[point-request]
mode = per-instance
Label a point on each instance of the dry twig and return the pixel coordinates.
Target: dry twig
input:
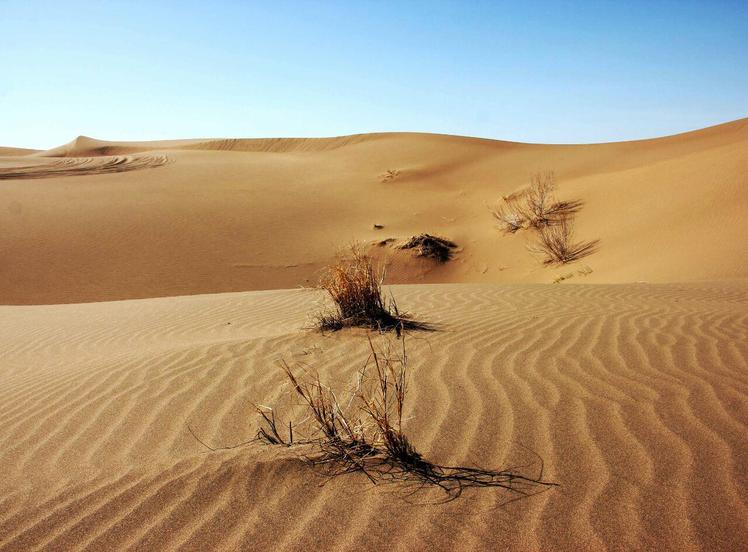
(355, 287)
(367, 435)
(556, 243)
(432, 247)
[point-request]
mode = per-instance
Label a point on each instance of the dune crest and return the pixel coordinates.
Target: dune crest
(232, 215)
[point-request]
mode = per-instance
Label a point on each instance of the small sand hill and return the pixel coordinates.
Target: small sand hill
(634, 396)
(105, 220)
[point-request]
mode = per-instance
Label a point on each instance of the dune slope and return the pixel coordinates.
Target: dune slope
(634, 396)
(95, 220)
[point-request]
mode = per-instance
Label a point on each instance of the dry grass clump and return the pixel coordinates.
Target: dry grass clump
(365, 433)
(433, 247)
(556, 243)
(355, 287)
(534, 207)
(511, 213)
(541, 203)
(389, 175)
(537, 208)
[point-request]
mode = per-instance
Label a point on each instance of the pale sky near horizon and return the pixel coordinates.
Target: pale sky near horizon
(531, 71)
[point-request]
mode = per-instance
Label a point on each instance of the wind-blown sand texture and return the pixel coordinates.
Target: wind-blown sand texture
(635, 396)
(629, 379)
(73, 166)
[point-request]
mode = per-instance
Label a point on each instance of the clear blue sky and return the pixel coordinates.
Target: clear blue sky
(565, 71)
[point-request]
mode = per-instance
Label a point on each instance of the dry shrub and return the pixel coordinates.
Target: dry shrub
(556, 243)
(355, 287)
(535, 206)
(540, 198)
(365, 433)
(432, 247)
(511, 213)
(389, 175)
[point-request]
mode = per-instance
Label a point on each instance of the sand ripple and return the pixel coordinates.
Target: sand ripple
(78, 166)
(635, 396)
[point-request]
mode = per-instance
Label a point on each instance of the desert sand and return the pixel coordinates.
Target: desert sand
(234, 215)
(150, 286)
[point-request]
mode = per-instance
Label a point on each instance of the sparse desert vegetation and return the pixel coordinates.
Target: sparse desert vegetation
(539, 199)
(511, 213)
(556, 243)
(354, 285)
(389, 175)
(541, 203)
(534, 207)
(537, 208)
(432, 247)
(364, 432)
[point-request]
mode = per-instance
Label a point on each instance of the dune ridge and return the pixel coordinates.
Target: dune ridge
(635, 396)
(8, 152)
(85, 146)
(237, 215)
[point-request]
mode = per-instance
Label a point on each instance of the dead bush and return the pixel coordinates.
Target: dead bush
(355, 287)
(556, 243)
(511, 213)
(432, 247)
(365, 433)
(540, 199)
(535, 207)
(389, 175)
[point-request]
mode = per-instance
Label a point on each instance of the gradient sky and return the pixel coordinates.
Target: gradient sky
(565, 71)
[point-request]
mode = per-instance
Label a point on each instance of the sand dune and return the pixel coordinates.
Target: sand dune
(628, 381)
(5, 152)
(635, 396)
(234, 215)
